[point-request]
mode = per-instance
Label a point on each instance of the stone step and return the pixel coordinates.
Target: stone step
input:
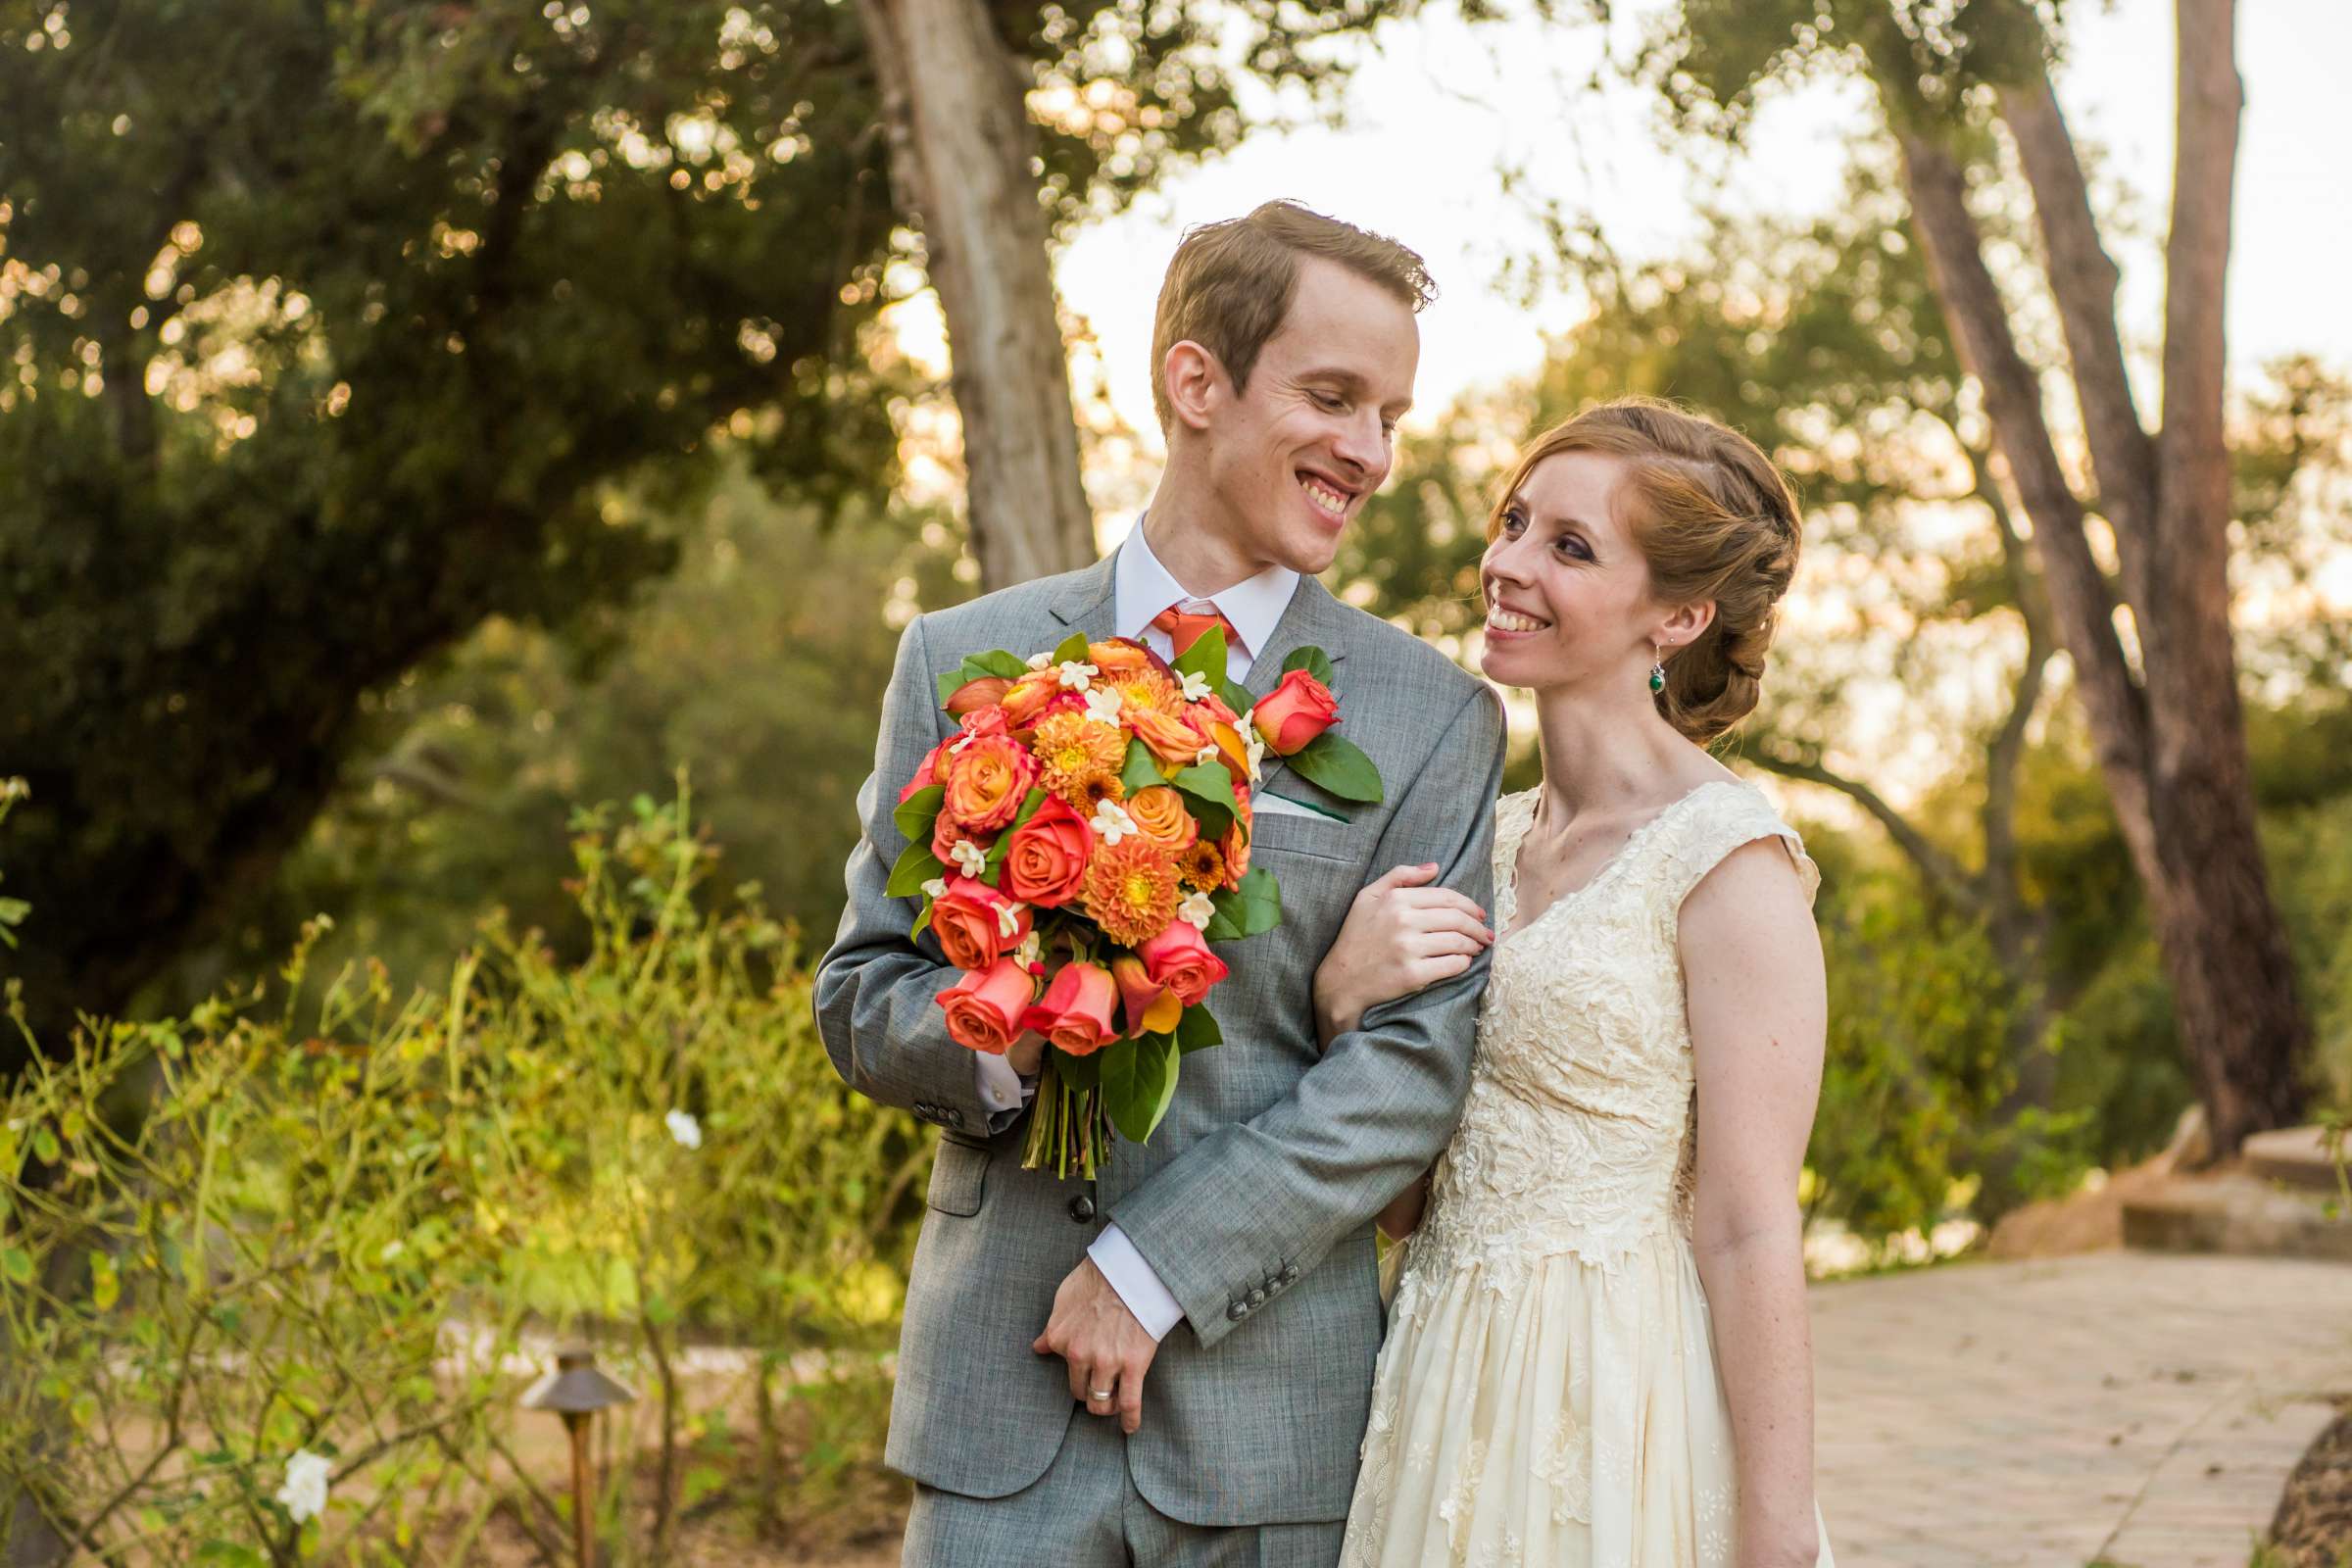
(2237, 1215)
(2296, 1156)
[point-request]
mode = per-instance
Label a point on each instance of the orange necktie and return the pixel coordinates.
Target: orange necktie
(1184, 629)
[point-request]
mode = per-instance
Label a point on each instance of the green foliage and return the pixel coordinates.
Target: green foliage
(1916, 1061)
(229, 1238)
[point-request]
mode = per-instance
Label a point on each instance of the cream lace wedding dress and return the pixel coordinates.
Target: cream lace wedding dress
(1548, 1393)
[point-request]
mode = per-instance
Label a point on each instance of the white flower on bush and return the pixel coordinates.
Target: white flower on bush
(685, 1129)
(391, 1249)
(303, 1495)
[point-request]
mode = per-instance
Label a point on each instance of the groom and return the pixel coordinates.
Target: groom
(1173, 1364)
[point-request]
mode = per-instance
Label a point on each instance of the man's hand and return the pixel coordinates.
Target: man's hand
(1107, 1349)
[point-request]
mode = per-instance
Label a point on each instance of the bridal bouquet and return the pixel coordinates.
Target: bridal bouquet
(1080, 843)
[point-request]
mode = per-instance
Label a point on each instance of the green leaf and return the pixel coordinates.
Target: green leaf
(1072, 649)
(916, 814)
(1311, 660)
(1249, 909)
(105, 1285)
(1207, 789)
(996, 662)
(922, 923)
(227, 1555)
(1233, 695)
(1142, 771)
(44, 1143)
(1206, 656)
(1079, 1073)
(1139, 1084)
(1338, 765)
(915, 868)
(1198, 1030)
(16, 1265)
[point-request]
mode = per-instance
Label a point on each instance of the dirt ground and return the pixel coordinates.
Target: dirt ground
(2314, 1525)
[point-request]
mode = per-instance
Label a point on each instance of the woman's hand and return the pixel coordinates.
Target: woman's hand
(1399, 936)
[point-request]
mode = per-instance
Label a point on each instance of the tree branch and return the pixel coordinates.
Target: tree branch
(1943, 872)
(2084, 277)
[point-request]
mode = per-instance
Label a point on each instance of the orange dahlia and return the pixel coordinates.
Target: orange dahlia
(1200, 867)
(1073, 751)
(1147, 688)
(1131, 889)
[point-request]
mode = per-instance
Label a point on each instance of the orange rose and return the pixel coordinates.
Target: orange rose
(976, 924)
(1167, 737)
(928, 774)
(1119, 655)
(1045, 865)
(1294, 713)
(985, 1008)
(1160, 812)
(1027, 697)
(988, 780)
(1074, 1014)
(1179, 959)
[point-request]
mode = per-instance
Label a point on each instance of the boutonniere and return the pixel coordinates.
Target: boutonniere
(1294, 720)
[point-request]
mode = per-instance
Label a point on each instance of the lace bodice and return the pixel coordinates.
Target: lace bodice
(1576, 1137)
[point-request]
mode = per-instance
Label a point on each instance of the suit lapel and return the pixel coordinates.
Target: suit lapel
(1312, 619)
(1087, 604)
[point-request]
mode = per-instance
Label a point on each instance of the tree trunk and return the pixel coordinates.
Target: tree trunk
(960, 159)
(2172, 753)
(2234, 980)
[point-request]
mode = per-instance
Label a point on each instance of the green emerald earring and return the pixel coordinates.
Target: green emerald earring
(1658, 670)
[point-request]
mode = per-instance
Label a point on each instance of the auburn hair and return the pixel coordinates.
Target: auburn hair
(1715, 519)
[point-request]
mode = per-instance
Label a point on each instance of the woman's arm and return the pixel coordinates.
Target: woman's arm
(1752, 968)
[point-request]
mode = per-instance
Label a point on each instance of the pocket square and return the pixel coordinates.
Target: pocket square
(1268, 800)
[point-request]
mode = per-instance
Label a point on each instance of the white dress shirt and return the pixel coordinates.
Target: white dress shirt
(1141, 588)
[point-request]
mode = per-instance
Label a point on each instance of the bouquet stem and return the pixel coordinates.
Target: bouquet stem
(1069, 1128)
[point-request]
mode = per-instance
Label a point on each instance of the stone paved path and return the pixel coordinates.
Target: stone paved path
(2121, 1407)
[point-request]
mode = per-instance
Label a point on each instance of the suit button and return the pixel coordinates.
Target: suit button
(1290, 1273)
(1234, 1310)
(1082, 1209)
(1258, 1297)
(955, 1116)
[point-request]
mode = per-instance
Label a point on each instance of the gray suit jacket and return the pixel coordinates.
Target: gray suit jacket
(1253, 1200)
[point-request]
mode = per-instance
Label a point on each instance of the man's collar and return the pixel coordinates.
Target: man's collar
(1144, 587)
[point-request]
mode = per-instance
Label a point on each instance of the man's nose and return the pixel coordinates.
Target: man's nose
(1365, 443)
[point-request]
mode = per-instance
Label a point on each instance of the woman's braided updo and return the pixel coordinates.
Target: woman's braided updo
(1716, 521)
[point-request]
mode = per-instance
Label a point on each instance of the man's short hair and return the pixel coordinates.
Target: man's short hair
(1230, 285)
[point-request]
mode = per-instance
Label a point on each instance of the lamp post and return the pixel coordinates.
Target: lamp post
(576, 1390)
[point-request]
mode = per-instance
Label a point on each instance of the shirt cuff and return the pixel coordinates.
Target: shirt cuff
(1000, 1088)
(1153, 1304)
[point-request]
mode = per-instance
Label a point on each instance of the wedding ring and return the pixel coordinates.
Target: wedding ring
(1098, 1394)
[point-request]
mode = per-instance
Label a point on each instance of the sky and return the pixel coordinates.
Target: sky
(1438, 107)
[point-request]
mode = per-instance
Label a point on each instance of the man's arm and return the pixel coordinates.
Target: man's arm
(1241, 1215)
(877, 991)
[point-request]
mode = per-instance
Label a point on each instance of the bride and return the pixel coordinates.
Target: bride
(1597, 1351)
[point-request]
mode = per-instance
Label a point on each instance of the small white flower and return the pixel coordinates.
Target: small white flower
(1112, 821)
(1040, 660)
(685, 1129)
(1102, 707)
(1077, 676)
(1196, 911)
(1008, 919)
(1256, 742)
(969, 858)
(303, 1495)
(936, 888)
(1196, 686)
(1031, 950)
(957, 746)
(391, 1249)
(1207, 754)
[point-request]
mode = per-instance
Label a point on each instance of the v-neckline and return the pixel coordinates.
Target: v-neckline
(1642, 830)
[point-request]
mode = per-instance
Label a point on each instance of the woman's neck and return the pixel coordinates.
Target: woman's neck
(1606, 753)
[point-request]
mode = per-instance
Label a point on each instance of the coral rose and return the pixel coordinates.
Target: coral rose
(928, 774)
(988, 780)
(1118, 656)
(1294, 713)
(1074, 1014)
(976, 924)
(1235, 845)
(985, 1008)
(1045, 863)
(1025, 699)
(1160, 812)
(1179, 959)
(1151, 1007)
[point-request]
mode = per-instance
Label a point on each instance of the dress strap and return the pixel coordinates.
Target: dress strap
(1717, 819)
(1513, 815)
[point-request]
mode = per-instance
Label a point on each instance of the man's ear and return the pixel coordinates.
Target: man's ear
(1684, 624)
(1195, 381)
